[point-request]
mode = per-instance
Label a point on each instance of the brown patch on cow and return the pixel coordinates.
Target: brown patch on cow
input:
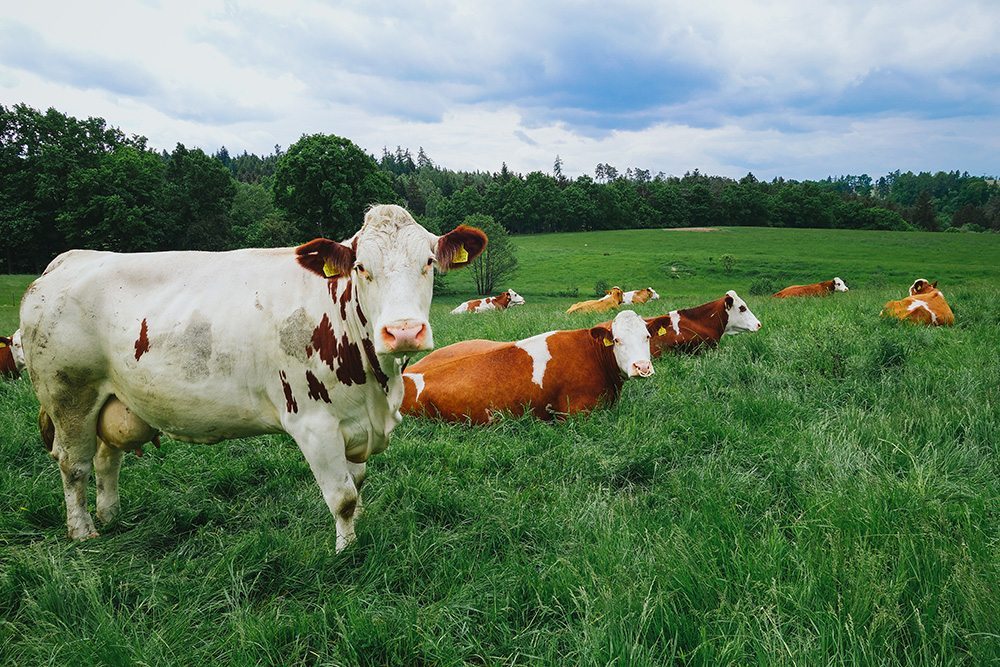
(331, 286)
(824, 288)
(142, 344)
(317, 390)
(344, 298)
(8, 368)
(473, 304)
(324, 342)
(380, 375)
(47, 429)
(350, 369)
(347, 508)
(361, 314)
(290, 403)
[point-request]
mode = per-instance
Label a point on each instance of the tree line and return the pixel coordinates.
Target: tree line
(72, 183)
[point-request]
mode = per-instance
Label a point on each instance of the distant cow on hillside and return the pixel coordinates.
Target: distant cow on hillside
(11, 356)
(640, 295)
(824, 288)
(613, 299)
(499, 302)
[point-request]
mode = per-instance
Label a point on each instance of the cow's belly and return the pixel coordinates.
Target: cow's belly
(198, 413)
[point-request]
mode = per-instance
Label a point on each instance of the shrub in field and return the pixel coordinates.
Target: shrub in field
(498, 262)
(601, 288)
(762, 286)
(728, 263)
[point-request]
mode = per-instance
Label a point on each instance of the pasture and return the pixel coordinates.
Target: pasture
(824, 491)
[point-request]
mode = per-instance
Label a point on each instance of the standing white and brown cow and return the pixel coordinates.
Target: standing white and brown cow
(169, 335)
(499, 302)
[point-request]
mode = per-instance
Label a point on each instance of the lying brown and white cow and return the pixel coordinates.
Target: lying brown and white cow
(640, 295)
(613, 299)
(552, 374)
(816, 289)
(925, 305)
(166, 334)
(499, 302)
(692, 329)
(8, 369)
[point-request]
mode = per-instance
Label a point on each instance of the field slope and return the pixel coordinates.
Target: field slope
(823, 491)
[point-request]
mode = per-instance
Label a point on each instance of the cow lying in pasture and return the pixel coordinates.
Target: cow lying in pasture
(499, 302)
(610, 301)
(551, 374)
(824, 288)
(640, 295)
(11, 356)
(925, 305)
(166, 334)
(693, 329)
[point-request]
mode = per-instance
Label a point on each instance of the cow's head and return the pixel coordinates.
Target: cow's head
(391, 261)
(921, 286)
(515, 298)
(839, 285)
(629, 336)
(740, 317)
(653, 296)
(616, 294)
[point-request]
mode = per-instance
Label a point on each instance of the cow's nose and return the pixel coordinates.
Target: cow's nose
(759, 325)
(405, 336)
(642, 369)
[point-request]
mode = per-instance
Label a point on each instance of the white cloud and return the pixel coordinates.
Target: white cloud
(780, 88)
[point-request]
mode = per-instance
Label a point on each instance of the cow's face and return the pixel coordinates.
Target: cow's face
(515, 298)
(921, 286)
(839, 285)
(652, 294)
(616, 294)
(629, 337)
(391, 262)
(740, 317)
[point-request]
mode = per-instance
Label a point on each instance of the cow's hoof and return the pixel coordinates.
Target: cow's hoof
(107, 516)
(79, 536)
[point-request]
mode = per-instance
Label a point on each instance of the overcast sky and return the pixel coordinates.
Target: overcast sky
(795, 89)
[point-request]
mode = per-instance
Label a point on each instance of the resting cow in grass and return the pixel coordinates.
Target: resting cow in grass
(824, 288)
(167, 334)
(693, 329)
(552, 374)
(11, 356)
(611, 301)
(640, 295)
(499, 302)
(925, 305)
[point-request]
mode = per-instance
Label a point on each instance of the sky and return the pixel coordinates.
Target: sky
(799, 89)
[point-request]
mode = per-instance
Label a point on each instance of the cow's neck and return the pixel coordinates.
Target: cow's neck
(604, 358)
(359, 328)
(711, 315)
(827, 285)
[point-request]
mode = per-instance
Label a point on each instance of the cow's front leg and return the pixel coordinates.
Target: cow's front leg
(107, 464)
(322, 444)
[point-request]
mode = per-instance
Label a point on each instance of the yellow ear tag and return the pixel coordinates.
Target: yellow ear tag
(607, 343)
(3, 344)
(461, 255)
(329, 270)
(662, 331)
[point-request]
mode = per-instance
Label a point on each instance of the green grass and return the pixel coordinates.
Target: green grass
(823, 491)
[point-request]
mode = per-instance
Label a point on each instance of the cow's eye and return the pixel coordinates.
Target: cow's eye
(743, 309)
(618, 341)
(360, 268)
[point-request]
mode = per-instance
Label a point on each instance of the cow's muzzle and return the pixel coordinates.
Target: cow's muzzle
(406, 336)
(642, 369)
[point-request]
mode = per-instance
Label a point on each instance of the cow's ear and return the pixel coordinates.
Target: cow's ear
(657, 326)
(326, 258)
(4, 341)
(459, 247)
(602, 334)
(729, 301)
(934, 284)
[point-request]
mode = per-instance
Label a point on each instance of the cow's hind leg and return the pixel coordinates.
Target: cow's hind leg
(319, 438)
(76, 442)
(107, 464)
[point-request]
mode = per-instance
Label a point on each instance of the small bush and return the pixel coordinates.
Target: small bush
(601, 288)
(728, 263)
(762, 286)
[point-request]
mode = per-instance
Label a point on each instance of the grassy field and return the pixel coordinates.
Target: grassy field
(826, 491)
